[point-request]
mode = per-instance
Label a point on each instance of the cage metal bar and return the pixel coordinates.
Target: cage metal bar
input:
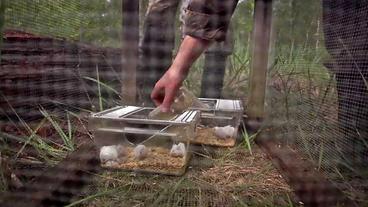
(260, 51)
(130, 34)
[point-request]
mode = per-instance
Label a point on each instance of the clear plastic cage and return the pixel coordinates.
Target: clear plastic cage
(220, 121)
(129, 140)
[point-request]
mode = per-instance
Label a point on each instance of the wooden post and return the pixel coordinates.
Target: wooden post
(2, 23)
(260, 52)
(130, 35)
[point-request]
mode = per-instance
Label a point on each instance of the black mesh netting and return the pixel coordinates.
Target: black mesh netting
(62, 60)
(317, 88)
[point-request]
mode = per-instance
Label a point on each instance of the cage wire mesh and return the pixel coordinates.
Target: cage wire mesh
(317, 92)
(60, 59)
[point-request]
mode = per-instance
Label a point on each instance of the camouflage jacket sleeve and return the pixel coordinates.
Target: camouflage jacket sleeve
(209, 19)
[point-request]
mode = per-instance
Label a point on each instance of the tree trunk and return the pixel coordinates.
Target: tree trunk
(260, 54)
(130, 35)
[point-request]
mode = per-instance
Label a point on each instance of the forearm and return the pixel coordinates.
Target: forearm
(205, 21)
(165, 89)
(190, 49)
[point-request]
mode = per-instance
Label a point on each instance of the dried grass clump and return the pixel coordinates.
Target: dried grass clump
(246, 174)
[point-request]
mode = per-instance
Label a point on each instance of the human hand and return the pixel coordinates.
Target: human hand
(165, 90)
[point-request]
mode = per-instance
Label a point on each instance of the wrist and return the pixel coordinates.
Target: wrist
(178, 72)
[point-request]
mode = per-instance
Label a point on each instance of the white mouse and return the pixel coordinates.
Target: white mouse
(140, 152)
(178, 150)
(121, 150)
(224, 132)
(112, 153)
(109, 153)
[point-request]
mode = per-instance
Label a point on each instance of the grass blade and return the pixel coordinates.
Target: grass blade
(70, 133)
(68, 143)
(103, 84)
(246, 138)
(99, 89)
(320, 157)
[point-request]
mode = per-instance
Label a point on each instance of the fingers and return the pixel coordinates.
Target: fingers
(157, 95)
(164, 92)
(170, 94)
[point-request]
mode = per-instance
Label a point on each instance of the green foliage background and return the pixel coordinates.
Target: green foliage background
(99, 21)
(57, 18)
(92, 21)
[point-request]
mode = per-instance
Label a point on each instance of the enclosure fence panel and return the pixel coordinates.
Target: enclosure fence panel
(317, 87)
(70, 69)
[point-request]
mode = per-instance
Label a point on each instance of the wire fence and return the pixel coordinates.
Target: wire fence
(317, 91)
(61, 60)
(52, 18)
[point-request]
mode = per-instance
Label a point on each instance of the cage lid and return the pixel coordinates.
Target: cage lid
(225, 105)
(138, 114)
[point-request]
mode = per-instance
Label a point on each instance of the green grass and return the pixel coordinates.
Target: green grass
(67, 137)
(248, 140)
(48, 152)
(27, 142)
(51, 151)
